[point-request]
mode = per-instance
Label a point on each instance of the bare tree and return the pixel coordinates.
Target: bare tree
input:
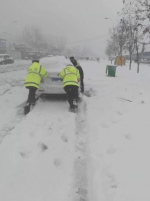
(60, 44)
(118, 38)
(129, 42)
(137, 12)
(33, 36)
(50, 42)
(111, 49)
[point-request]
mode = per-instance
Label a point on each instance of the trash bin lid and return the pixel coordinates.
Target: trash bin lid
(112, 65)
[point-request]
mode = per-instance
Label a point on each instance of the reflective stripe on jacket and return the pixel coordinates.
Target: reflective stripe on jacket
(70, 76)
(35, 73)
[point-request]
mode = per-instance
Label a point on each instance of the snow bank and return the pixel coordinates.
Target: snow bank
(18, 65)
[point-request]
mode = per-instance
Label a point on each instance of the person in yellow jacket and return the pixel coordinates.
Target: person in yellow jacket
(70, 76)
(32, 82)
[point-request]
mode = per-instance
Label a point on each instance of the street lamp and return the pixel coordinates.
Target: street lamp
(106, 18)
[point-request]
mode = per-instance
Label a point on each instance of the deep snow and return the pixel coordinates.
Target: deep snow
(100, 154)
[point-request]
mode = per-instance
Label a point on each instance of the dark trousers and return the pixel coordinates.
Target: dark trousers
(31, 96)
(72, 93)
(82, 84)
(81, 77)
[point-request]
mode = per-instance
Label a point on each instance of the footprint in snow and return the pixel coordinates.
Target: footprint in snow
(109, 181)
(25, 154)
(42, 146)
(64, 138)
(57, 162)
(116, 117)
(119, 112)
(128, 136)
(82, 191)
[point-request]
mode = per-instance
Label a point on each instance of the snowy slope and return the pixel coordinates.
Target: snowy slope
(101, 153)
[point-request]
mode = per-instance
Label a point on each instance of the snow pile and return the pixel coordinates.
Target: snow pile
(18, 65)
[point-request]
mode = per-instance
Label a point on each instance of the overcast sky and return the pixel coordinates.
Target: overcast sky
(77, 20)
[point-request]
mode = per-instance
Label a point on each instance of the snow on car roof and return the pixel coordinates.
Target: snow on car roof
(54, 64)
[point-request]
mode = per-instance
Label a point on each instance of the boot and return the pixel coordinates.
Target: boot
(75, 104)
(27, 108)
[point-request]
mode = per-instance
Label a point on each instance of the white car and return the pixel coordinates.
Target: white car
(51, 85)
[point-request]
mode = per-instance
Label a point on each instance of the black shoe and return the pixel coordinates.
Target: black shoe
(26, 109)
(82, 89)
(33, 104)
(75, 104)
(72, 107)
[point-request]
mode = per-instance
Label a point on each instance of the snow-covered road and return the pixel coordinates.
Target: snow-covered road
(101, 153)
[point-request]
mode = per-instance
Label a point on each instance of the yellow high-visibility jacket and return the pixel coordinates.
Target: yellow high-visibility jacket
(70, 76)
(35, 74)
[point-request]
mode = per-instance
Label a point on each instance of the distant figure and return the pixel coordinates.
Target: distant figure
(32, 82)
(70, 76)
(77, 65)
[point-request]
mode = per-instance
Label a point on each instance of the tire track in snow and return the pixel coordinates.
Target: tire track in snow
(81, 185)
(16, 118)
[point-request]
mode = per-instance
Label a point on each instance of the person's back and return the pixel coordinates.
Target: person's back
(32, 82)
(78, 66)
(35, 74)
(70, 76)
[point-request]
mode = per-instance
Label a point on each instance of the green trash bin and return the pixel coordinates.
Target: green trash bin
(111, 70)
